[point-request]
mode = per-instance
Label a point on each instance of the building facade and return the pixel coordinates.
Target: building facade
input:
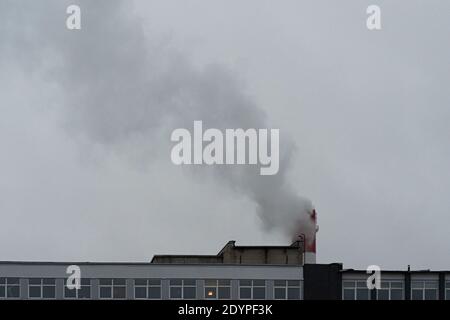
(236, 272)
(22, 280)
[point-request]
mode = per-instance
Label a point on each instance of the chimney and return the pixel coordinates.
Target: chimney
(310, 245)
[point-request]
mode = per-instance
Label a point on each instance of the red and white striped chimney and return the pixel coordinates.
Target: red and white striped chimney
(310, 243)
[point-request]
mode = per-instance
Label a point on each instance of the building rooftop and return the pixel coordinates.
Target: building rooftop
(233, 254)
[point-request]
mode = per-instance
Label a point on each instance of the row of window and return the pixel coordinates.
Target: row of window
(248, 289)
(357, 290)
(393, 290)
(45, 288)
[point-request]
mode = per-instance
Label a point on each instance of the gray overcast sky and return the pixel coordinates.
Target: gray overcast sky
(85, 172)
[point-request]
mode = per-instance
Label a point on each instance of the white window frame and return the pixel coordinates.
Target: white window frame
(355, 288)
(389, 288)
(252, 287)
(112, 286)
(147, 286)
(286, 286)
(77, 290)
(216, 287)
(423, 287)
(41, 287)
(6, 285)
(447, 290)
(182, 286)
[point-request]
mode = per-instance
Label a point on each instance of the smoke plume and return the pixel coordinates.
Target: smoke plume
(122, 87)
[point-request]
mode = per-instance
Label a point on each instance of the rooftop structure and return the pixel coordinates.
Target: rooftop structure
(251, 255)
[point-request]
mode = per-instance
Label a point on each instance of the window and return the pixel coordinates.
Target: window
(147, 289)
(424, 290)
(182, 289)
(42, 288)
(287, 289)
(447, 290)
(355, 290)
(83, 293)
(9, 288)
(113, 289)
(217, 289)
(390, 290)
(252, 289)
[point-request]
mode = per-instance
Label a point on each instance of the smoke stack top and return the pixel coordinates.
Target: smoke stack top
(305, 233)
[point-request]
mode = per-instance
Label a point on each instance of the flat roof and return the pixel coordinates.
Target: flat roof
(396, 271)
(142, 264)
(74, 262)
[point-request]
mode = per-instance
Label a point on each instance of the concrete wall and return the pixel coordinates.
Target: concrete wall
(263, 255)
(231, 254)
(147, 270)
(187, 259)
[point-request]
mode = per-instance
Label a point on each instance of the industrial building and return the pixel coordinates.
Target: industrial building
(236, 272)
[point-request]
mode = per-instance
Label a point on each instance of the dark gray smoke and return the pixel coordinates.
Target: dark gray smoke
(122, 88)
